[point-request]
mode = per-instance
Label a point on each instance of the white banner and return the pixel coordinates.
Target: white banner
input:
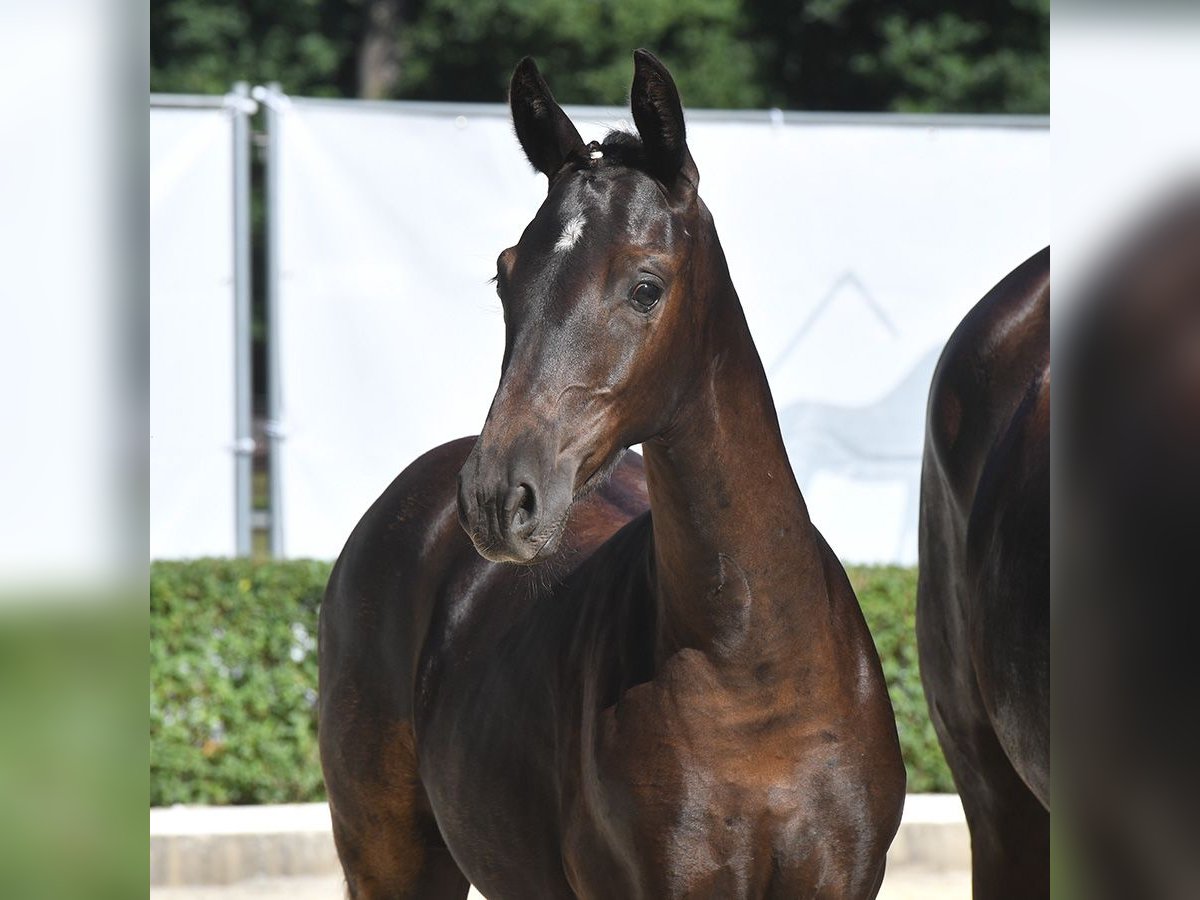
(856, 248)
(191, 334)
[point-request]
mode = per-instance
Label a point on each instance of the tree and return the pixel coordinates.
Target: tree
(466, 49)
(922, 55)
(379, 56)
(203, 46)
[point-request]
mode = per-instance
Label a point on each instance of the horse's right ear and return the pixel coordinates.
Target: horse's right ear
(658, 115)
(547, 136)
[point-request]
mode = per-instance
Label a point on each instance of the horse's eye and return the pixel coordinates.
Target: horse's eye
(646, 295)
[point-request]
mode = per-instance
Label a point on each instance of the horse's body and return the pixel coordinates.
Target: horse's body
(983, 607)
(684, 700)
(1127, 516)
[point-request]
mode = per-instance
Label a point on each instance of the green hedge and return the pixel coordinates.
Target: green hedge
(233, 669)
(233, 674)
(888, 595)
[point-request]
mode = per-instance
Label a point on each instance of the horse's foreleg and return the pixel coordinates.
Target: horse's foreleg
(387, 840)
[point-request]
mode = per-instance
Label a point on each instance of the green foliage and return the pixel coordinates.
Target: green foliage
(888, 596)
(466, 49)
(948, 62)
(234, 674)
(203, 46)
(922, 55)
(233, 670)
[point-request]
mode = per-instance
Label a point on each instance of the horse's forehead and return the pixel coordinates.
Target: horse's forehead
(627, 207)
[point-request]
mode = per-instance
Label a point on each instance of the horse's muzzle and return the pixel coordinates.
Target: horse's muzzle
(507, 516)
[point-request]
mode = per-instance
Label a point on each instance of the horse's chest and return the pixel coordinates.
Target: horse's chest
(695, 792)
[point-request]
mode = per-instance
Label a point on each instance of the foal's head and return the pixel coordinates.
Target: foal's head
(602, 315)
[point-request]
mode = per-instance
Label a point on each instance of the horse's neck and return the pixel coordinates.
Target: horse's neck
(738, 567)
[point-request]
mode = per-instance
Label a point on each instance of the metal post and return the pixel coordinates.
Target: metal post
(272, 101)
(241, 107)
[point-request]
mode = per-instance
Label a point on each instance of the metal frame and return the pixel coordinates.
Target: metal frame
(771, 116)
(240, 107)
(273, 102)
(188, 101)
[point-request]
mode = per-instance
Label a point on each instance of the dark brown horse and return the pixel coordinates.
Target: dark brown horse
(1127, 530)
(682, 698)
(983, 599)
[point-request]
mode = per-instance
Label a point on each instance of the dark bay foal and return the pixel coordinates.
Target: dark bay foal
(681, 699)
(983, 599)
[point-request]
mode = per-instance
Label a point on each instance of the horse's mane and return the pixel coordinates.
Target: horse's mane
(625, 149)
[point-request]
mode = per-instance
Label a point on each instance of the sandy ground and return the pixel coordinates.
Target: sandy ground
(900, 884)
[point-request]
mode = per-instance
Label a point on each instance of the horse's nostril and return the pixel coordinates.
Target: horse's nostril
(523, 506)
(528, 503)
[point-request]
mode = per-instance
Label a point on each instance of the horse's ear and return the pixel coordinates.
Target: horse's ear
(547, 136)
(658, 114)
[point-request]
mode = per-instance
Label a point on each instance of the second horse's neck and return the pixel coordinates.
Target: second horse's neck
(739, 570)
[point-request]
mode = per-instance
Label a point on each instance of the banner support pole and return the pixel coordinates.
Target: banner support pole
(241, 107)
(273, 101)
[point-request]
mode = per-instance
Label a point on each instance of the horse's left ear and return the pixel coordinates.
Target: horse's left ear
(547, 136)
(658, 114)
